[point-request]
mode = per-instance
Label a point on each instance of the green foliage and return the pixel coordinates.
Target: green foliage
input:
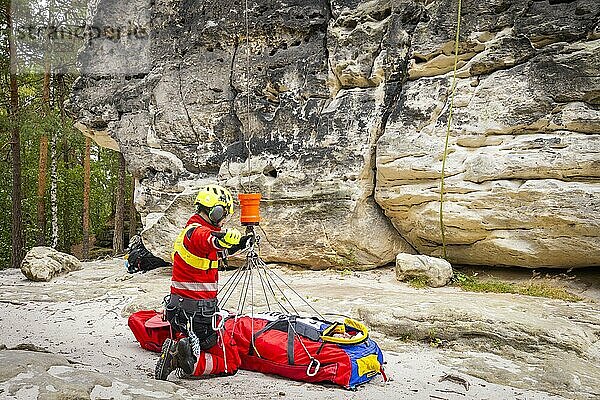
(70, 154)
(471, 283)
(103, 180)
(346, 272)
(418, 282)
(405, 336)
(434, 340)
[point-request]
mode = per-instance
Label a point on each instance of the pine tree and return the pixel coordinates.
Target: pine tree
(86, 199)
(43, 160)
(41, 201)
(15, 145)
(118, 240)
(54, 189)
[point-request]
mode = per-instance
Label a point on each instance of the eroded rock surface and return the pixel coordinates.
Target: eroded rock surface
(521, 333)
(44, 263)
(524, 150)
(35, 375)
(337, 109)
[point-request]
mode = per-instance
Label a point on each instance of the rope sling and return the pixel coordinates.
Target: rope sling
(276, 294)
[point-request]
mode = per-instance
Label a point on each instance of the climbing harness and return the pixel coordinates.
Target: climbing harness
(445, 154)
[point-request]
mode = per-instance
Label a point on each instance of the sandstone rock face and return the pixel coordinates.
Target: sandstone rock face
(522, 167)
(288, 111)
(437, 271)
(515, 330)
(43, 263)
(335, 111)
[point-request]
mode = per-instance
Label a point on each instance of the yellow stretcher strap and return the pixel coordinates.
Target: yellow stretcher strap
(338, 328)
(189, 258)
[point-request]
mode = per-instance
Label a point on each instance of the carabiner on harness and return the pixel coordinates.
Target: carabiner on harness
(313, 367)
(217, 324)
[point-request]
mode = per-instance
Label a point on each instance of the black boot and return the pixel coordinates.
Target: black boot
(165, 364)
(183, 357)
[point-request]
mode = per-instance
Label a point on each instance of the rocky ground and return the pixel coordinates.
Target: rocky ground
(68, 338)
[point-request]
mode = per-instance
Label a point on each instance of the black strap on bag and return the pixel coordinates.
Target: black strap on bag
(292, 327)
(290, 339)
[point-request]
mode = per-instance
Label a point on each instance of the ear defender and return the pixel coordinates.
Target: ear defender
(217, 213)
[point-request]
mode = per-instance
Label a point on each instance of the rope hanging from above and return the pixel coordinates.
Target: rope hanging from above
(248, 135)
(445, 154)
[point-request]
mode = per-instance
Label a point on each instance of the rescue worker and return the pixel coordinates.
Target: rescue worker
(192, 307)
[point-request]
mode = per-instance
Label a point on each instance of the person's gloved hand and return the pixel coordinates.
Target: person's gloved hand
(245, 239)
(227, 238)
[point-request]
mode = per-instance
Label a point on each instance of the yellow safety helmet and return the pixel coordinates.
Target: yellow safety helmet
(217, 200)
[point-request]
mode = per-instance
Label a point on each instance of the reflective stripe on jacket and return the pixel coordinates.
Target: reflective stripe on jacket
(196, 286)
(187, 256)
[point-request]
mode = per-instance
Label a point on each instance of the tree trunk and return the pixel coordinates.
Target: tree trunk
(86, 199)
(53, 190)
(132, 211)
(41, 191)
(59, 78)
(118, 242)
(43, 162)
(15, 146)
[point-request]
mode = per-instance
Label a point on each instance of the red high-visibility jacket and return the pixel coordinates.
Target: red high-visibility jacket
(194, 282)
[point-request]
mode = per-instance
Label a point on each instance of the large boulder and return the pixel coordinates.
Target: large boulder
(436, 272)
(336, 111)
(41, 264)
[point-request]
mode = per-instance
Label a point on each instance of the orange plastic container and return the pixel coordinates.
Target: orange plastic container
(250, 208)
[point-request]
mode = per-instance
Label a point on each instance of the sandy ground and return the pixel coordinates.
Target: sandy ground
(81, 316)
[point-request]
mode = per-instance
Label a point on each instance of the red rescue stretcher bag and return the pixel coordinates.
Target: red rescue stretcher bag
(307, 349)
(303, 349)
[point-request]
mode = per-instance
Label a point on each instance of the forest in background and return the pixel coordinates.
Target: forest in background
(47, 196)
